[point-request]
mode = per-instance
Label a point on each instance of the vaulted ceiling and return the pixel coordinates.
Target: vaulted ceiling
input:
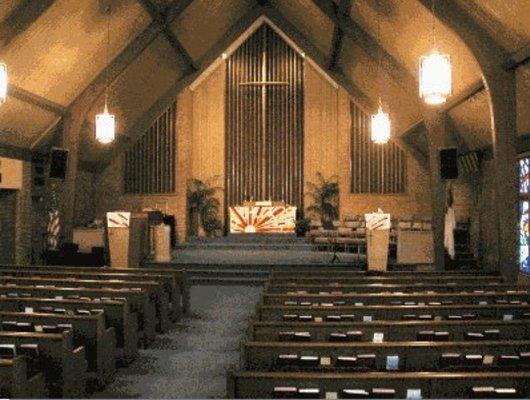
(55, 51)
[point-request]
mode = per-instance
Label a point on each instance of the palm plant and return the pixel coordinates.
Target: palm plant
(325, 195)
(203, 206)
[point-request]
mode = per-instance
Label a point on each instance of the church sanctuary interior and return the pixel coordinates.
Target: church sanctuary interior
(264, 199)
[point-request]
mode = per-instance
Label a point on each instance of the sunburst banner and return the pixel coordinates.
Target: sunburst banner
(262, 219)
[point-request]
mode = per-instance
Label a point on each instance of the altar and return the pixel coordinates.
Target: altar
(262, 217)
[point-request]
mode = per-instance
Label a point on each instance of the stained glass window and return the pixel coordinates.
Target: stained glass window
(524, 214)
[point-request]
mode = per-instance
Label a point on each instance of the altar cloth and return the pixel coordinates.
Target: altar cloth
(262, 219)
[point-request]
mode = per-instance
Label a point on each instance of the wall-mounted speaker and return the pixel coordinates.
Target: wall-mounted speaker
(449, 163)
(58, 163)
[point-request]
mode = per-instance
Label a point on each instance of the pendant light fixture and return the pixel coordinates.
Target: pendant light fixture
(106, 122)
(380, 124)
(3, 83)
(435, 72)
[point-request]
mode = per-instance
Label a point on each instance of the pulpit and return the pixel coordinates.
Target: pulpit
(128, 241)
(378, 238)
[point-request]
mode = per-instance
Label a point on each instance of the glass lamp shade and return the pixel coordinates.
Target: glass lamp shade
(3, 83)
(380, 127)
(435, 78)
(105, 127)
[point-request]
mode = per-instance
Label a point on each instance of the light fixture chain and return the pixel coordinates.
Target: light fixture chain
(107, 56)
(433, 25)
(379, 57)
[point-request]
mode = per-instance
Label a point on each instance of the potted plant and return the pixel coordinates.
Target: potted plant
(325, 195)
(203, 207)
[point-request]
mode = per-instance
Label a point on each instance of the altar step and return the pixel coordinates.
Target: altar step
(247, 242)
(243, 246)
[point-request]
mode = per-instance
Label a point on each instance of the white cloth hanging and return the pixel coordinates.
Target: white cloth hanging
(449, 231)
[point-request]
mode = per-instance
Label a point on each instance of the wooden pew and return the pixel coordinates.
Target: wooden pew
(378, 288)
(354, 280)
(489, 297)
(413, 355)
(88, 331)
(178, 275)
(19, 382)
(153, 289)
(139, 301)
(117, 316)
(64, 366)
(392, 330)
(168, 281)
(255, 384)
(293, 272)
(387, 312)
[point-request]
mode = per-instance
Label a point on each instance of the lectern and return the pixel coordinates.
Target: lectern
(127, 233)
(377, 237)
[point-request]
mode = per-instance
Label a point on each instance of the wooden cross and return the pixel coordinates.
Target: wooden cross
(264, 85)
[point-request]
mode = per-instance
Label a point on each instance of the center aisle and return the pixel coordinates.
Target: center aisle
(190, 361)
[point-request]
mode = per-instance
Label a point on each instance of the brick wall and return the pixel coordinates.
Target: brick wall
(24, 217)
(16, 221)
(85, 207)
(8, 204)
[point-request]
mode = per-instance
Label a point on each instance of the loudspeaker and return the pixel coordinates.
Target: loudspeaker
(449, 163)
(58, 161)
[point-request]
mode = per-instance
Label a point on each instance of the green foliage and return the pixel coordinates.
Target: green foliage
(325, 195)
(202, 202)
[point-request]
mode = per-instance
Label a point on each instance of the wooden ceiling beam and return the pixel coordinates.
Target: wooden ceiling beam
(370, 45)
(341, 11)
(19, 153)
(489, 53)
(38, 101)
(321, 60)
(21, 18)
(161, 18)
(452, 103)
(518, 58)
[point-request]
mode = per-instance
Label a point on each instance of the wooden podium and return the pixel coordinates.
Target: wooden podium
(128, 242)
(162, 243)
(377, 238)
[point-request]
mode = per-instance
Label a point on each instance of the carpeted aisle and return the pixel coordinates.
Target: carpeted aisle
(190, 361)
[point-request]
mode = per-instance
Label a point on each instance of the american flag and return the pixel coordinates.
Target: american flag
(54, 225)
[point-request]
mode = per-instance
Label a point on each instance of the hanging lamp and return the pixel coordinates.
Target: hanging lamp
(380, 122)
(435, 72)
(3, 83)
(106, 122)
(380, 126)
